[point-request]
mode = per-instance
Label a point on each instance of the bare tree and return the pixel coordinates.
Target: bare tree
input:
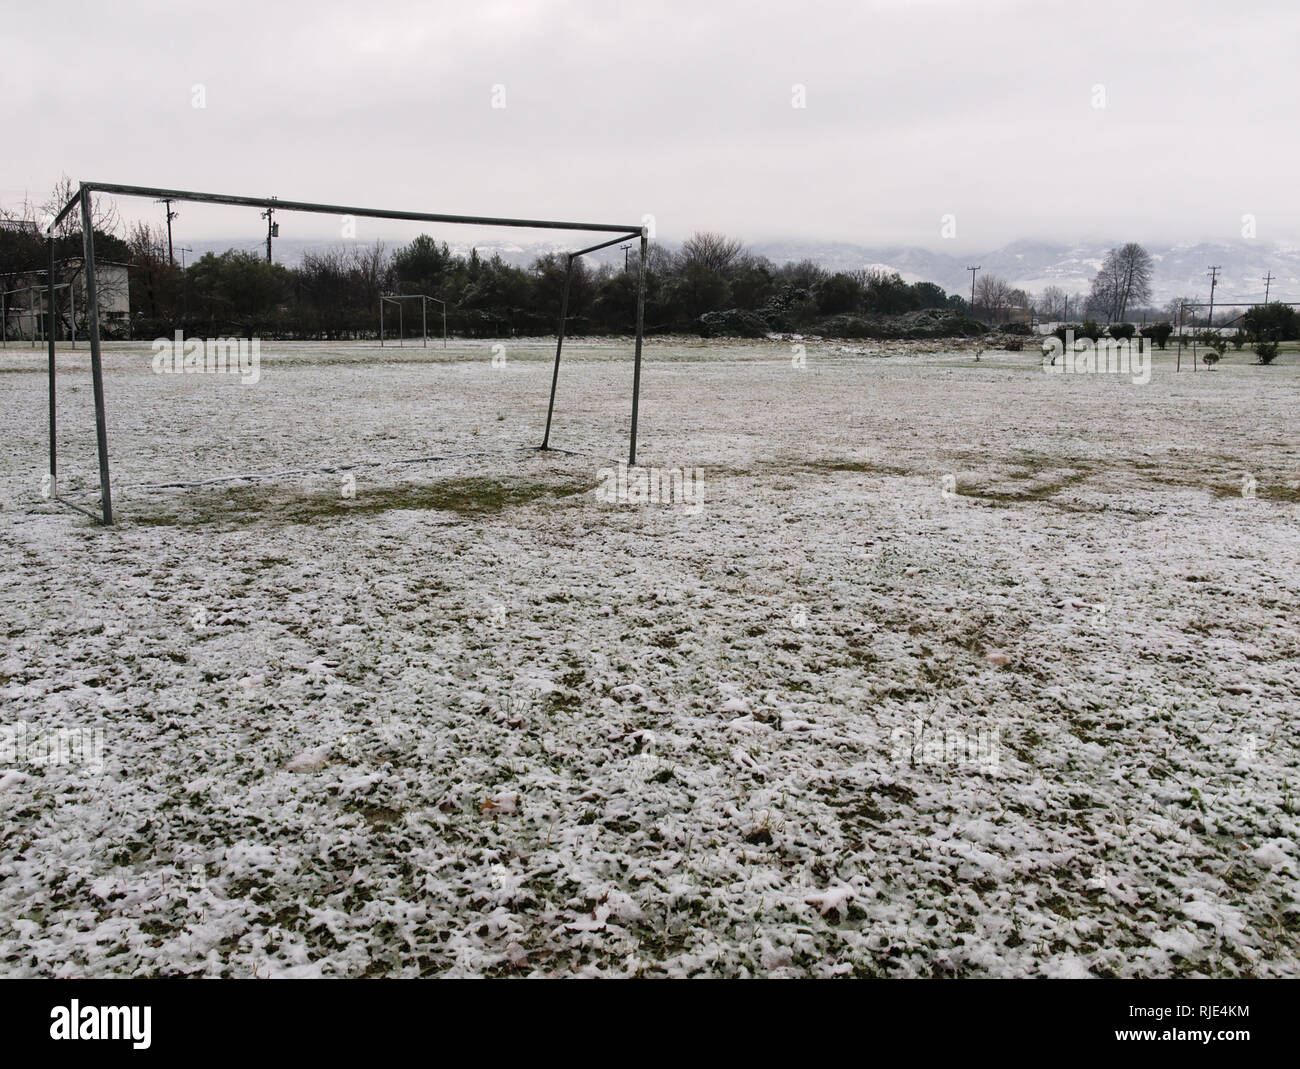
(1124, 280)
(103, 213)
(1052, 303)
(714, 252)
(1135, 267)
(659, 261)
(1104, 297)
(992, 296)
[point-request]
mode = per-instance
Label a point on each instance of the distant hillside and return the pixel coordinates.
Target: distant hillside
(1032, 265)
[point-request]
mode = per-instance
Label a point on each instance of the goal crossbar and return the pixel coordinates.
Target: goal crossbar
(81, 201)
(424, 299)
(1184, 305)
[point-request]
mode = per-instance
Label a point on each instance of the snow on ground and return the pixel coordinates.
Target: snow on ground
(959, 669)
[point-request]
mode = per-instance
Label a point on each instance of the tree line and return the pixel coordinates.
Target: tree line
(712, 285)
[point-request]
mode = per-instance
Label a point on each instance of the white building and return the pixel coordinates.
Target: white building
(23, 311)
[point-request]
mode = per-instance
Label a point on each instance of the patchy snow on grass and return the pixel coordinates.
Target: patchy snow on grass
(958, 669)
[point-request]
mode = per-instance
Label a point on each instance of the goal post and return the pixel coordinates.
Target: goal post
(82, 200)
(424, 299)
(1209, 316)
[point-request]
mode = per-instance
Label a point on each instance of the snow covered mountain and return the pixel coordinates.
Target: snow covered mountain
(1180, 270)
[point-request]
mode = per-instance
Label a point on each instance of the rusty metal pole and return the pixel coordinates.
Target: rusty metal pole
(96, 358)
(559, 344)
(54, 462)
(640, 332)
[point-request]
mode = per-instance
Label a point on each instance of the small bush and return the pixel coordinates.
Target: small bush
(1022, 329)
(1215, 341)
(733, 323)
(1158, 333)
(1266, 351)
(1013, 344)
(1080, 331)
(1090, 329)
(1122, 331)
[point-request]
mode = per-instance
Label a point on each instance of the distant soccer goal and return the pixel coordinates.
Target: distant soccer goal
(1189, 310)
(396, 299)
(82, 201)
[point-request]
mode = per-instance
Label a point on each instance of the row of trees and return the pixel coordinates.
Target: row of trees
(1121, 288)
(335, 293)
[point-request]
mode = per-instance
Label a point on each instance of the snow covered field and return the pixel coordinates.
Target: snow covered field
(957, 668)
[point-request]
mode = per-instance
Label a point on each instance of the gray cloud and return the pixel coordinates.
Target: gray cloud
(914, 110)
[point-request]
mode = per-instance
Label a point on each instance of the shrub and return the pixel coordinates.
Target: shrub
(1122, 331)
(1022, 329)
(1158, 333)
(1273, 322)
(1013, 344)
(1090, 329)
(1215, 341)
(960, 326)
(732, 323)
(1266, 351)
(1060, 332)
(838, 293)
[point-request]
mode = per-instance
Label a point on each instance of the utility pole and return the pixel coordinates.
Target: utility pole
(625, 248)
(183, 250)
(1214, 281)
(171, 259)
(272, 229)
(1268, 279)
(972, 271)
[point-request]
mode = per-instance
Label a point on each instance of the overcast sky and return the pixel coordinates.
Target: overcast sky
(985, 110)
